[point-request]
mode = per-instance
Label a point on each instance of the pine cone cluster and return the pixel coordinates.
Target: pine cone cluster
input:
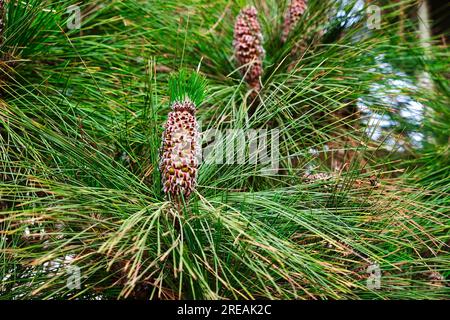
(248, 48)
(180, 147)
(295, 10)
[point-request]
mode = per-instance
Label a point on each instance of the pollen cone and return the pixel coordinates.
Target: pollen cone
(295, 10)
(181, 139)
(248, 49)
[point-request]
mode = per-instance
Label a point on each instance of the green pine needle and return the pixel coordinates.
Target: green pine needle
(187, 85)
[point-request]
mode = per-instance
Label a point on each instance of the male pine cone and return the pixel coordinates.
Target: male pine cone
(248, 49)
(295, 10)
(2, 18)
(181, 143)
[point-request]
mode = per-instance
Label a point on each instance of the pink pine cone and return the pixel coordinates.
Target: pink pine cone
(181, 144)
(248, 49)
(295, 10)
(2, 17)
